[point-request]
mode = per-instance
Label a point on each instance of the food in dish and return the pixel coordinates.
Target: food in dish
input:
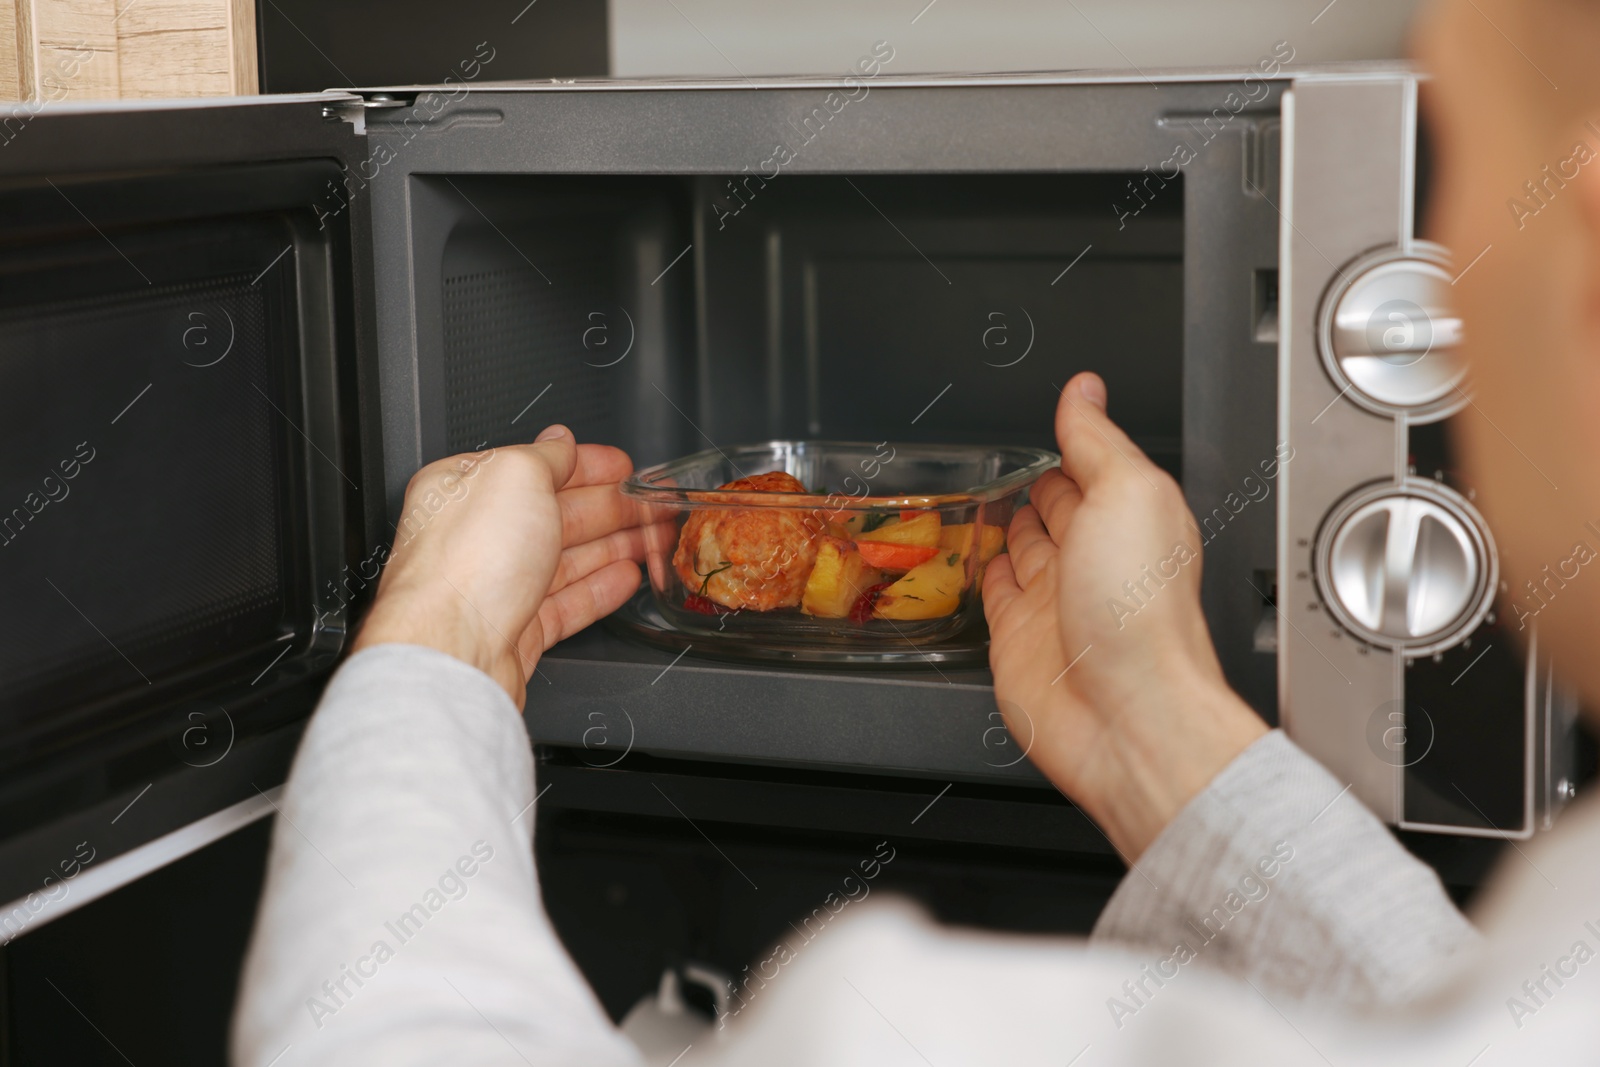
(849, 548)
(931, 587)
(839, 580)
(872, 565)
(748, 558)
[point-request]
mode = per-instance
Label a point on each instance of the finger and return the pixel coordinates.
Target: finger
(1000, 588)
(1056, 497)
(1029, 545)
(599, 465)
(582, 560)
(557, 449)
(661, 534)
(1094, 450)
(591, 512)
(594, 465)
(1049, 486)
(591, 597)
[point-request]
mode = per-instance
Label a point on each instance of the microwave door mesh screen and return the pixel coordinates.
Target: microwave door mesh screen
(139, 514)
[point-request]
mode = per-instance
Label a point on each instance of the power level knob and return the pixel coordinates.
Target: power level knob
(1389, 338)
(1409, 567)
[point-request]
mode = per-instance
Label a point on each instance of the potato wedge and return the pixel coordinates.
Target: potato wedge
(922, 530)
(856, 522)
(837, 580)
(929, 590)
(959, 538)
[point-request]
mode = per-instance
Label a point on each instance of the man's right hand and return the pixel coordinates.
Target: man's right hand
(1102, 662)
(531, 544)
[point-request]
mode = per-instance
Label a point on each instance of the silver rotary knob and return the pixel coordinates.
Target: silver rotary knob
(1389, 338)
(1410, 567)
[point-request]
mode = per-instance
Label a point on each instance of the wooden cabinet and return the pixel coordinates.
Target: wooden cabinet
(54, 50)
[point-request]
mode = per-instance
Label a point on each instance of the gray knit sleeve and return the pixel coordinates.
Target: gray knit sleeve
(1276, 874)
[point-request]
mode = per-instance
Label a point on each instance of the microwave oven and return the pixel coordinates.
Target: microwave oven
(230, 330)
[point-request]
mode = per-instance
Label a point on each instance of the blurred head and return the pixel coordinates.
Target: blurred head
(1515, 84)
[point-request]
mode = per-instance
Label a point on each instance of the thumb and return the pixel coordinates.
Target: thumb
(1093, 448)
(556, 446)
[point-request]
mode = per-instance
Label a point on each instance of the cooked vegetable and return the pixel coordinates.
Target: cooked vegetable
(959, 538)
(860, 522)
(862, 611)
(892, 557)
(922, 529)
(703, 605)
(874, 519)
(839, 579)
(931, 590)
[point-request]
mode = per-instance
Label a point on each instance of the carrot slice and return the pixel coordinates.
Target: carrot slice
(892, 557)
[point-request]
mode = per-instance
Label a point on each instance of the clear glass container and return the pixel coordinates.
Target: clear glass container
(830, 542)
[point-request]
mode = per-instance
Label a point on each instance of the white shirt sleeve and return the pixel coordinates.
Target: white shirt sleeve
(401, 920)
(887, 987)
(883, 985)
(401, 924)
(1276, 874)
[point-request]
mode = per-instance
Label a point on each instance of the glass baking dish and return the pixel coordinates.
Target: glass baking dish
(829, 542)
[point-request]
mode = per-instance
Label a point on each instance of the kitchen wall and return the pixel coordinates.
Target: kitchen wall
(741, 37)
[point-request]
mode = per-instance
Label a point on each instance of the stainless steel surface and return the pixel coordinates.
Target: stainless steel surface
(1348, 145)
(1149, 76)
(1555, 751)
(100, 879)
(1410, 567)
(1376, 567)
(1389, 337)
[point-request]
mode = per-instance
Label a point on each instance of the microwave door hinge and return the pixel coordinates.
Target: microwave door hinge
(354, 109)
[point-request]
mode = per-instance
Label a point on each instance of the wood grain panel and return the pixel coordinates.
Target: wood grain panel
(93, 49)
(75, 42)
(146, 16)
(174, 48)
(242, 30)
(27, 59)
(10, 57)
(75, 71)
(166, 63)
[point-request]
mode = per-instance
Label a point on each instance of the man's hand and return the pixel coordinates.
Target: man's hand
(499, 555)
(1102, 662)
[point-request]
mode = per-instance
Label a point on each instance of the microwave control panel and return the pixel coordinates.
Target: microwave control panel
(1395, 668)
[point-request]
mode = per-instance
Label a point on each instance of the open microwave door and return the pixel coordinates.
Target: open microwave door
(187, 472)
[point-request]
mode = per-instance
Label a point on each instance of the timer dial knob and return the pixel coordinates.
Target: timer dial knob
(1388, 337)
(1410, 567)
